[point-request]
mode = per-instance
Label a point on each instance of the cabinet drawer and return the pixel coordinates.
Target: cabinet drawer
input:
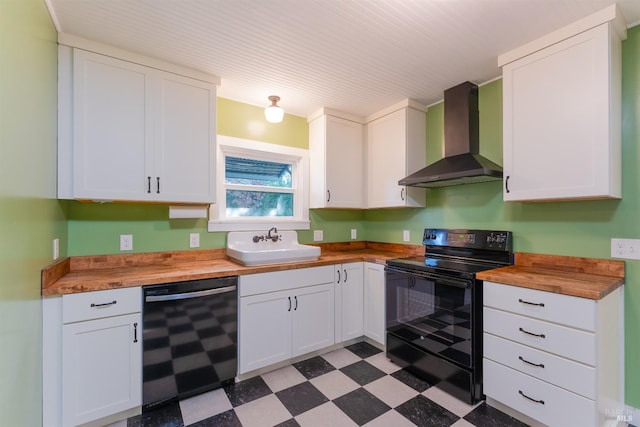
(516, 390)
(570, 375)
(261, 283)
(564, 309)
(98, 304)
(567, 342)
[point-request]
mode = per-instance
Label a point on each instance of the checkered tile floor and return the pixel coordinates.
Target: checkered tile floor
(353, 386)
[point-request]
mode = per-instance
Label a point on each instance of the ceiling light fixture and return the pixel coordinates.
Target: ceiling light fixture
(273, 113)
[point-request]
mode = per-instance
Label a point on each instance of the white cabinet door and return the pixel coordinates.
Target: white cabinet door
(112, 135)
(562, 120)
(313, 317)
(184, 140)
(138, 133)
(265, 329)
(374, 302)
(101, 367)
(396, 147)
(337, 163)
(349, 301)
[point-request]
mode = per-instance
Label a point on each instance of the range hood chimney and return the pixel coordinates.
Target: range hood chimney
(461, 163)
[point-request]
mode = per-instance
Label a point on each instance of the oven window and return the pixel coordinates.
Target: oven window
(432, 314)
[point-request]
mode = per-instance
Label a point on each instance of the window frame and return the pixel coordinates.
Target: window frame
(237, 147)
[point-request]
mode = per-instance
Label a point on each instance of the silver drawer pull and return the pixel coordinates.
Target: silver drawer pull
(531, 398)
(539, 304)
(532, 334)
(537, 365)
(104, 304)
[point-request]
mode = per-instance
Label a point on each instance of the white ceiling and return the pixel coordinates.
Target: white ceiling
(356, 56)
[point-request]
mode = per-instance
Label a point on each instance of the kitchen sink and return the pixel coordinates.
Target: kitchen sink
(252, 248)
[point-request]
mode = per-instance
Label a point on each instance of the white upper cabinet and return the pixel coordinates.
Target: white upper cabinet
(337, 161)
(396, 147)
(133, 132)
(562, 102)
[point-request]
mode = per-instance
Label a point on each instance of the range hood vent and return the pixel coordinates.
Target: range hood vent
(461, 163)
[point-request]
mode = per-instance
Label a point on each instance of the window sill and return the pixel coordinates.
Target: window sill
(252, 224)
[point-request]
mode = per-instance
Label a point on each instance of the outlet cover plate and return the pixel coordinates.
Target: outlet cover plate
(354, 234)
(126, 242)
(318, 235)
(625, 248)
(194, 240)
(406, 236)
(56, 249)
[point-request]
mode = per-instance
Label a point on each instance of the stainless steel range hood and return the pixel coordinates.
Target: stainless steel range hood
(461, 163)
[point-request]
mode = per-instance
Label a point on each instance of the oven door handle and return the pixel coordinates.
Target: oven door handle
(187, 295)
(454, 283)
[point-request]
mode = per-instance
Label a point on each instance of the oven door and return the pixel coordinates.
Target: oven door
(433, 313)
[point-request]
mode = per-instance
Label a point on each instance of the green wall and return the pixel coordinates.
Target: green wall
(30, 216)
(568, 228)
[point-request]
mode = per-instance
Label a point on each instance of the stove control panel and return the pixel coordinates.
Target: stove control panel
(473, 239)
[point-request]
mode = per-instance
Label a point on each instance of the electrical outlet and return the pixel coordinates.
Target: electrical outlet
(194, 240)
(126, 242)
(625, 248)
(56, 249)
(318, 235)
(406, 236)
(354, 234)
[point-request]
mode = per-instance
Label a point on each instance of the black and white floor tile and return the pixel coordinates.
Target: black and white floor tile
(353, 386)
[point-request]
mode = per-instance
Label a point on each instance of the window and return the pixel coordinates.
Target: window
(259, 185)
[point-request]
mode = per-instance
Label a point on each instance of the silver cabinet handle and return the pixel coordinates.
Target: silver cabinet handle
(187, 295)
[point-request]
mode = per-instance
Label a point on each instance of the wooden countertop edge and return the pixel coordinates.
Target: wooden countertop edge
(590, 278)
(101, 272)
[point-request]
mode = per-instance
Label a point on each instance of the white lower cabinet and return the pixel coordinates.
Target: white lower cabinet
(374, 302)
(349, 322)
(554, 358)
(93, 346)
(284, 314)
(101, 367)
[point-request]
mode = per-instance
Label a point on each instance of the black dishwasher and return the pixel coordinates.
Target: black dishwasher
(189, 338)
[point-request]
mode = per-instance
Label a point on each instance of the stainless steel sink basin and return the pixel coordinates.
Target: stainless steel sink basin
(252, 248)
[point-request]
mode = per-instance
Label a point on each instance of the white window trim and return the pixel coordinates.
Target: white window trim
(227, 145)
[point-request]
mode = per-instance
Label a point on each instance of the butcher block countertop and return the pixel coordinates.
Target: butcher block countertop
(100, 272)
(590, 278)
